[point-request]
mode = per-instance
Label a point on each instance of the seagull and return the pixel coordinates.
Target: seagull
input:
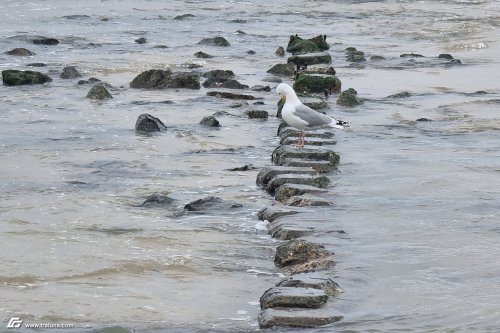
(302, 117)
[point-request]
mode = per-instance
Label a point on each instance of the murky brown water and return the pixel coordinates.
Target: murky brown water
(419, 200)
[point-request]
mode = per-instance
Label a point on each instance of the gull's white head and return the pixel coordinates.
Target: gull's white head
(287, 93)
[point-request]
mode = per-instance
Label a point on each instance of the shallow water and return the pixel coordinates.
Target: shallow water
(419, 201)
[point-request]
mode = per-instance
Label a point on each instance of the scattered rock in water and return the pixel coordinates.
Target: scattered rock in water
(310, 59)
(261, 88)
(411, 55)
(91, 80)
(445, 56)
(317, 83)
(183, 17)
(455, 61)
(348, 98)
(216, 77)
(282, 153)
(298, 45)
(312, 180)
(282, 69)
(280, 51)
(41, 40)
(246, 167)
(141, 40)
(12, 77)
(36, 64)
(228, 95)
(232, 84)
(161, 79)
(286, 231)
(76, 17)
(203, 55)
(283, 297)
(70, 72)
(210, 121)
(288, 190)
(311, 280)
(296, 318)
(148, 123)
(161, 46)
(403, 94)
(210, 204)
(98, 92)
(377, 58)
(21, 52)
(299, 251)
(215, 41)
(424, 119)
(157, 199)
(257, 114)
(251, 52)
(353, 55)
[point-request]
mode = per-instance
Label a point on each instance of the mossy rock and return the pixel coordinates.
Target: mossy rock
(13, 77)
(349, 98)
(317, 83)
(297, 44)
(151, 79)
(310, 59)
(99, 92)
(282, 69)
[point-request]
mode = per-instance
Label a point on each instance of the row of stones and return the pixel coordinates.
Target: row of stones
(298, 180)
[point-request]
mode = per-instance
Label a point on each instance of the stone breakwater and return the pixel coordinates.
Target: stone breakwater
(298, 180)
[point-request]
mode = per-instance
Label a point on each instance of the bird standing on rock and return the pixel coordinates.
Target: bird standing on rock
(302, 117)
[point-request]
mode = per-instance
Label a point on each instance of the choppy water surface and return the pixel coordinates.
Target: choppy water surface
(419, 201)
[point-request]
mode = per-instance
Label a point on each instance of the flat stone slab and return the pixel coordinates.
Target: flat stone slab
(282, 153)
(279, 180)
(308, 141)
(299, 251)
(287, 131)
(296, 318)
(266, 174)
(285, 191)
(307, 200)
(318, 166)
(283, 297)
(271, 213)
(311, 280)
(321, 264)
(285, 231)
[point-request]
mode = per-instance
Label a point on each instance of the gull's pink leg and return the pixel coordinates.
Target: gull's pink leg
(300, 143)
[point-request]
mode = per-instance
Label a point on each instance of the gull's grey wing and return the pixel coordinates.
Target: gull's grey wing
(312, 117)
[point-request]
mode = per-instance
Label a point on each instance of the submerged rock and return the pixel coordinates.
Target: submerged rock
(232, 84)
(20, 51)
(283, 297)
(311, 59)
(257, 114)
(98, 92)
(141, 40)
(216, 77)
(183, 16)
(157, 199)
(148, 123)
(70, 72)
(41, 40)
(317, 83)
(282, 69)
(185, 80)
(296, 318)
(210, 121)
(203, 55)
(215, 41)
(354, 55)
(348, 98)
(299, 251)
(228, 95)
(411, 55)
(403, 94)
(261, 88)
(11, 77)
(211, 203)
(280, 51)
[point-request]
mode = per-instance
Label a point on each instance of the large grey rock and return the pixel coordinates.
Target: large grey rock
(296, 318)
(148, 123)
(282, 153)
(11, 77)
(152, 79)
(299, 251)
(70, 72)
(311, 280)
(279, 180)
(266, 174)
(210, 121)
(283, 297)
(98, 92)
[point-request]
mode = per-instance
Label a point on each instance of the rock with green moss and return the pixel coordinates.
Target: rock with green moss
(349, 98)
(317, 83)
(310, 59)
(99, 92)
(12, 77)
(280, 51)
(159, 79)
(353, 55)
(215, 41)
(297, 44)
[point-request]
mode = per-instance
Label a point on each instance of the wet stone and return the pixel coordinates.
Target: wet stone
(229, 95)
(286, 231)
(318, 166)
(210, 121)
(311, 59)
(299, 251)
(148, 123)
(157, 199)
(283, 297)
(286, 191)
(257, 114)
(266, 174)
(308, 141)
(311, 280)
(98, 92)
(210, 204)
(282, 153)
(286, 131)
(271, 213)
(282, 69)
(296, 318)
(321, 264)
(20, 51)
(215, 41)
(317, 83)
(12, 77)
(279, 180)
(70, 72)
(306, 200)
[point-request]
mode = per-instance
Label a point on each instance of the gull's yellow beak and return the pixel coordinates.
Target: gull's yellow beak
(283, 99)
